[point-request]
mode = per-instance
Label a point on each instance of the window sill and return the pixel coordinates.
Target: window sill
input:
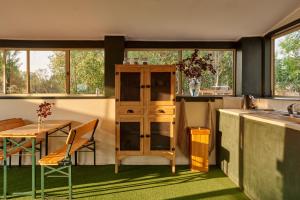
(283, 98)
(52, 96)
(202, 98)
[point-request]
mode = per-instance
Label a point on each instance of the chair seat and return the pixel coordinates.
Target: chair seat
(19, 149)
(57, 156)
(61, 158)
(52, 159)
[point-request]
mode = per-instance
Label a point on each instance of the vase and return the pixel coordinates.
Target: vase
(40, 121)
(194, 86)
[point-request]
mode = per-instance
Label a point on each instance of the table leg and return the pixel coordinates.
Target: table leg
(46, 144)
(42, 182)
(75, 155)
(33, 167)
(4, 168)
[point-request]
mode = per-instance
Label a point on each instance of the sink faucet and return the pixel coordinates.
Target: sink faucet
(290, 109)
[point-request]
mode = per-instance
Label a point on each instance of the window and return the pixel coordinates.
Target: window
(155, 57)
(286, 63)
(47, 72)
(87, 71)
(16, 72)
(1, 72)
(65, 71)
(222, 83)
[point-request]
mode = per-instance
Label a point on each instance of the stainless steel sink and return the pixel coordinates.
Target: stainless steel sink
(285, 116)
(279, 115)
(288, 115)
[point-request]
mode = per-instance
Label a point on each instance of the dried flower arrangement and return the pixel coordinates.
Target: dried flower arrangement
(44, 110)
(194, 66)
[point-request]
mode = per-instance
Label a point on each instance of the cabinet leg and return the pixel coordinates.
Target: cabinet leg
(116, 167)
(173, 165)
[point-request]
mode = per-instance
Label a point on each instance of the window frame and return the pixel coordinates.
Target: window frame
(4, 50)
(69, 73)
(180, 50)
(28, 93)
(273, 38)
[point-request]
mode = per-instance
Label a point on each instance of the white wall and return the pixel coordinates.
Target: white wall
(82, 110)
(77, 110)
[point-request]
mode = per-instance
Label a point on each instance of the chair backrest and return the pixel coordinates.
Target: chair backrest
(89, 127)
(11, 120)
(8, 120)
(79, 131)
(71, 137)
(11, 123)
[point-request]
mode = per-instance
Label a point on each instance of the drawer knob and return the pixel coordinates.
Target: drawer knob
(130, 111)
(147, 136)
(161, 111)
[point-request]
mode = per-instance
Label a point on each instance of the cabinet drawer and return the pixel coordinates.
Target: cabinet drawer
(130, 110)
(162, 110)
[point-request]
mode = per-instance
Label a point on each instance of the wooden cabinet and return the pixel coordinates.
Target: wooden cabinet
(145, 111)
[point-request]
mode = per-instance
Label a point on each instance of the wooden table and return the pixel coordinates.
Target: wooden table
(28, 132)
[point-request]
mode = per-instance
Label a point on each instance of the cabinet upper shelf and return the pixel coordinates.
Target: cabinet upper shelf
(154, 84)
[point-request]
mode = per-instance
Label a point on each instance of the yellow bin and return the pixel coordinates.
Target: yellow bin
(199, 142)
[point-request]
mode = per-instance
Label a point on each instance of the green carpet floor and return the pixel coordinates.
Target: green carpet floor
(133, 182)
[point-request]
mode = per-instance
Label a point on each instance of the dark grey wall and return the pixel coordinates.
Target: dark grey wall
(251, 57)
(114, 54)
(239, 72)
(267, 92)
(51, 43)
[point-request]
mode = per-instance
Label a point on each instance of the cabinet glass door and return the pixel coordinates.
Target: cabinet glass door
(160, 136)
(160, 86)
(130, 86)
(128, 83)
(160, 133)
(130, 136)
(161, 80)
(130, 132)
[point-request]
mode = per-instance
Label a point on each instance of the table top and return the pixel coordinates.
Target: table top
(35, 130)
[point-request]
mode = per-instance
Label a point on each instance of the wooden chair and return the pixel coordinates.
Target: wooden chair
(88, 146)
(61, 158)
(15, 123)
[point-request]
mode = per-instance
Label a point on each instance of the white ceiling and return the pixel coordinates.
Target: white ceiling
(141, 19)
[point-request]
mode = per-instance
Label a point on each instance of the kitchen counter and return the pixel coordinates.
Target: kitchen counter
(259, 151)
(267, 116)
